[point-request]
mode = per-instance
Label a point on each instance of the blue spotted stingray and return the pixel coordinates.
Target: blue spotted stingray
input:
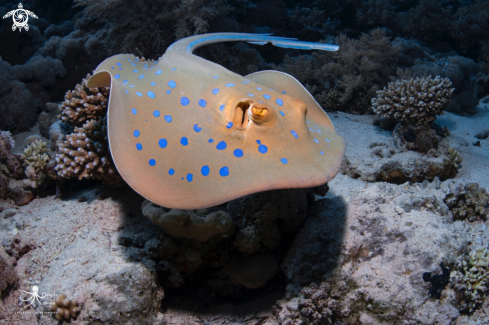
(186, 133)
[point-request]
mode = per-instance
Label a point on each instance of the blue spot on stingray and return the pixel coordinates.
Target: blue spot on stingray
(262, 148)
(294, 134)
(327, 140)
(162, 143)
(229, 125)
(184, 141)
(125, 81)
(139, 146)
(202, 103)
(229, 85)
(283, 92)
(134, 111)
(171, 171)
(311, 130)
(260, 101)
(284, 161)
(119, 64)
(136, 60)
(215, 91)
(141, 76)
(133, 64)
(156, 113)
(259, 88)
(258, 141)
(322, 152)
(251, 95)
(224, 171)
(136, 133)
(117, 76)
(139, 94)
(152, 162)
(211, 140)
(123, 59)
(215, 77)
(197, 128)
(205, 170)
(172, 84)
(136, 71)
(153, 83)
(316, 140)
(184, 101)
(221, 107)
(120, 68)
(246, 82)
(168, 118)
(132, 86)
(267, 96)
(151, 94)
(328, 145)
(281, 113)
(221, 145)
(189, 177)
(238, 153)
(129, 60)
(112, 68)
(279, 101)
(173, 69)
(158, 72)
(168, 91)
(127, 91)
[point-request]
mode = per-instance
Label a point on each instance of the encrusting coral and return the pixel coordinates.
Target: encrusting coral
(468, 202)
(13, 162)
(65, 308)
(472, 278)
(85, 154)
(415, 102)
(84, 104)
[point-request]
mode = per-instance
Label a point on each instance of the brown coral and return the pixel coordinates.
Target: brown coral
(415, 101)
(468, 202)
(85, 154)
(64, 307)
(84, 104)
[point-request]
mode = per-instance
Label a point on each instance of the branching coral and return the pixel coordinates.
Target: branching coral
(84, 104)
(468, 202)
(85, 154)
(472, 279)
(36, 155)
(12, 161)
(415, 101)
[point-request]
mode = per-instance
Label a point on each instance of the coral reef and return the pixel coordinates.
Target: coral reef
(421, 139)
(472, 278)
(13, 162)
(64, 307)
(85, 154)
(438, 281)
(47, 118)
(454, 156)
(189, 224)
(347, 79)
(415, 102)
(84, 104)
(468, 202)
(36, 155)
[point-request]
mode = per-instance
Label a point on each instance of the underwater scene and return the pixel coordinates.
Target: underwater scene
(257, 162)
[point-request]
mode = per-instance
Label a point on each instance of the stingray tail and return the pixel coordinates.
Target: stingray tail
(189, 44)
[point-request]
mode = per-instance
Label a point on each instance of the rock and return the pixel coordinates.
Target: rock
(47, 118)
(18, 194)
(8, 213)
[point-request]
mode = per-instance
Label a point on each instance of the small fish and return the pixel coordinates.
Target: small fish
(186, 133)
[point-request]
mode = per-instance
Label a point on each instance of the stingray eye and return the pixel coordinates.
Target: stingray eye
(260, 114)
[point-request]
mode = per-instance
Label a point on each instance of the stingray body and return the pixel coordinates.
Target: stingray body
(187, 133)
